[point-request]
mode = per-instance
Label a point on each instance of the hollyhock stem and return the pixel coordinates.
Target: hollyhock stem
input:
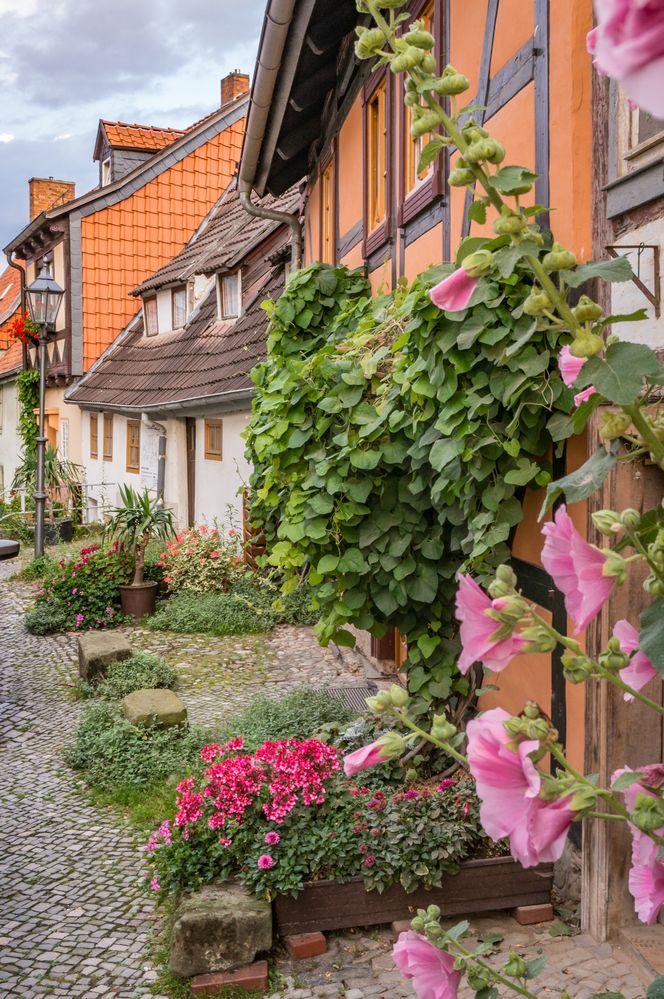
(617, 682)
(642, 424)
(553, 293)
(494, 974)
(450, 750)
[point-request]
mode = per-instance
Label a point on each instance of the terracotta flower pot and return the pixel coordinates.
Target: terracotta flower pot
(138, 600)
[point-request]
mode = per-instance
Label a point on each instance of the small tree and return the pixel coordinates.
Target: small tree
(139, 518)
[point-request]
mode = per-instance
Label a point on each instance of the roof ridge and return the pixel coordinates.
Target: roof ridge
(136, 124)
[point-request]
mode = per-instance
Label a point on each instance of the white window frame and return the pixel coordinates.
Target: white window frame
(63, 439)
(182, 289)
(220, 294)
(633, 154)
(106, 172)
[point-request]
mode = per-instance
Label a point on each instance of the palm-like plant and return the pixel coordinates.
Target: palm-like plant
(61, 476)
(139, 518)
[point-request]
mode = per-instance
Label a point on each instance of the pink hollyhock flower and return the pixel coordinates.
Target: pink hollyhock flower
(363, 758)
(272, 838)
(640, 669)
(569, 365)
(628, 45)
(430, 970)
(646, 877)
(453, 293)
(265, 862)
(576, 568)
(508, 785)
(477, 630)
(583, 396)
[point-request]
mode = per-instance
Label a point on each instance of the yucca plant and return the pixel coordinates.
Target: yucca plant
(137, 519)
(62, 478)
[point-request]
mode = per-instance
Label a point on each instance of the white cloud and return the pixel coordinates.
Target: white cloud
(6, 137)
(60, 138)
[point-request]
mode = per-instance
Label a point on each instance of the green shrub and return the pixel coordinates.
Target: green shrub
(112, 752)
(142, 671)
(300, 714)
(253, 605)
(46, 618)
(37, 568)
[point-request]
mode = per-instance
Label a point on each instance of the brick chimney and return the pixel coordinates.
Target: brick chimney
(233, 85)
(46, 193)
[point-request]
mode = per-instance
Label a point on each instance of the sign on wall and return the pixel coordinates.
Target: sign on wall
(149, 457)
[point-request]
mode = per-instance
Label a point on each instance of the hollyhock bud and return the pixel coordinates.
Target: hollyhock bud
(587, 311)
(539, 639)
(630, 519)
(461, 176)
(577, 669)
(531, 710)
(537, 303)
(478, 263)
(451, 82)
(605, 521)
(398, 696)
(442, 729)
(558, 259)
(615, 566)
(515, 967)
(648, 814)
(379, 702)
(587, 345)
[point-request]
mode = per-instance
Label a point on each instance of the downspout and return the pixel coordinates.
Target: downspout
(273, 41)
(161, 453)
(21, 271)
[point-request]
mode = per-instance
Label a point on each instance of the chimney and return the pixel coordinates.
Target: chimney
(234, 85)
(46, 193)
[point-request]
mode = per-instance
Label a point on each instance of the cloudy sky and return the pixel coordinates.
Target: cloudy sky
(66, 63)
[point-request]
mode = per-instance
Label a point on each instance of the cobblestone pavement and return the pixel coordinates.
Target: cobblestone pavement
(358, 965)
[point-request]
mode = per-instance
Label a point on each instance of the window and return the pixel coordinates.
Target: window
(414, 146)
(106, 172)
(63, 439)
(179, 307)
(327, 215)
(214, 433)
(108, 437)
(230, 295)
(2, 410)
(94, 435)
(133, 446)
(377, 155)
(150, 313)
(645, 132)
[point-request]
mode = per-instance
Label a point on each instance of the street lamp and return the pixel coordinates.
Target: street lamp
(44, 298)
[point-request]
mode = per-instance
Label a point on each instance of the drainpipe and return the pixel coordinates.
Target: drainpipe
(17, 267)
(161, 453)
(273, 41)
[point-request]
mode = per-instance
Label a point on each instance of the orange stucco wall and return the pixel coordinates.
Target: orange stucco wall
(124, 244)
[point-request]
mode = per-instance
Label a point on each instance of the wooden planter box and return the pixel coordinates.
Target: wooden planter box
(479, 886)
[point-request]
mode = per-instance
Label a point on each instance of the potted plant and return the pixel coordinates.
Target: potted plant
(62, 484)
(139, 518)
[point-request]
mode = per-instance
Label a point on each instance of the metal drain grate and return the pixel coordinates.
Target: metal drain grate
(353, 697)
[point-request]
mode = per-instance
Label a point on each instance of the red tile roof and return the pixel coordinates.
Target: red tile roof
(123, 135)
(10, 300)
(12, 359)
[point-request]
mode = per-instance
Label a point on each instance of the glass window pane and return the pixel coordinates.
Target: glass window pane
(150, 312)
(649, 126)
(230, 304)
(179, 307)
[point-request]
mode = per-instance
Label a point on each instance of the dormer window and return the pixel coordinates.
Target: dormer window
(150, 314)
(179, 306)
(229, 296)
(106, 171)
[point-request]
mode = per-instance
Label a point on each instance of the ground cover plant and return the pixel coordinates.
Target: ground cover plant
(80, 592)
(141, 671)
(301, 712)
(286, 814)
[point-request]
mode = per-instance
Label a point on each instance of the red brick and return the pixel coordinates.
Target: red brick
(301, 945)
(400, 926)
(252, 978)
(527, 914)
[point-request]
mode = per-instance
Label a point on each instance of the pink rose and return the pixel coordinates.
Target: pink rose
(430, 970)
(453, 293)
(265, 862)
(646, 877)
(640, 669)
(508, 785)
(576, 568)
(477, 630)
(363, 758)
(628, 45)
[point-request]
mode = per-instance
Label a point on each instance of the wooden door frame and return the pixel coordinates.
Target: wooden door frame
(190, 429)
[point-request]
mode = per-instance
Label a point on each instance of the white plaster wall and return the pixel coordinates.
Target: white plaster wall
(627, 298)
(103, 477)
(175, 478)
(218, 482)
(9, 441)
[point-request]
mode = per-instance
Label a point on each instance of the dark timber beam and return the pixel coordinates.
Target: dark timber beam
(294, 140)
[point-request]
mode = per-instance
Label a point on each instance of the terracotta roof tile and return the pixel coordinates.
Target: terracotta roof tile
(12, 359)
(122, 135)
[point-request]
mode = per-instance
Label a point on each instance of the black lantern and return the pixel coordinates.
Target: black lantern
(44, 298)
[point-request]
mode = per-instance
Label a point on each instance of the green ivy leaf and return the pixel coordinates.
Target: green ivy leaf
(585, 480)
(619, 375)
(656, 988)
(427, 644)
(651, 640)
(615, 269)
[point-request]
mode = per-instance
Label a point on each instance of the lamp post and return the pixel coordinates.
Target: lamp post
(44, 299)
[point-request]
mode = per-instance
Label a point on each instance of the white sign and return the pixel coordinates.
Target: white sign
(149, 457)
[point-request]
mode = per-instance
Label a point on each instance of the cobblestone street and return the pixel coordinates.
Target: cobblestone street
(74, 921)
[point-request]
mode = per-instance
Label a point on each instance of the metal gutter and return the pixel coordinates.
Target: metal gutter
(279, 17)
(164, 409)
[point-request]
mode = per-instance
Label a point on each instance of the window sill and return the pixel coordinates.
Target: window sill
(636, 188)
(376, 239)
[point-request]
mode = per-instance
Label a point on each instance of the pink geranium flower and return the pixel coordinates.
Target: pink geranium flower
(628, 45)
(646, 877)
(508, 785)
(430, 970)
(453, 293)
(363, 758)
(477, 630)
(640, 669)
(576, 568)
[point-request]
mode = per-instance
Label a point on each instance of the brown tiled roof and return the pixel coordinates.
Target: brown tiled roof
(222, 240)
(206, 358)
(12, 359)
(123, 135)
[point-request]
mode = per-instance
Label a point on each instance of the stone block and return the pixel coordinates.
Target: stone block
(221, 927)
(98, 650)
(527, 914)
(158, 707)
(253, 978)
(400, 926)
(303, 945)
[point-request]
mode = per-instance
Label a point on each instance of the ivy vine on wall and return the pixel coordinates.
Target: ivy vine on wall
(391, 444)
(28, 396)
